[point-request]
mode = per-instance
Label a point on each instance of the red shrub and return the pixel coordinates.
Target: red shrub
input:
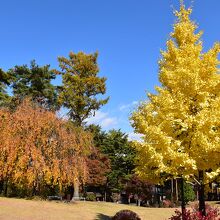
(126, 215)
(194, 214)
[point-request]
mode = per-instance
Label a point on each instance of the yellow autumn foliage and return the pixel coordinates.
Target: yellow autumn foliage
(181, 122)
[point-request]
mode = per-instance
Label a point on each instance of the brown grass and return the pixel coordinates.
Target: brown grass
(14, 209)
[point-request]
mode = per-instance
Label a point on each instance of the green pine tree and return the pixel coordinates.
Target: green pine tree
(35, 82)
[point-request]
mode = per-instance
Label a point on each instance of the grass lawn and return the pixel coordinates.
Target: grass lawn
(14, 209)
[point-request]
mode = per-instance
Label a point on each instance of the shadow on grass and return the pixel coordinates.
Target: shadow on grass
(102, 217)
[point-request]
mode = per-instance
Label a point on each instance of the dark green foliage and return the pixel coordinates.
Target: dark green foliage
(115, 145)
(81, 85)
(4, 82)
(90, 196)
(99, 136)
(189, 194)
(121, 154)
(11, 190)
(34, 82)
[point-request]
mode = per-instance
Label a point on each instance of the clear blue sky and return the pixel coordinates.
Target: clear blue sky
(128, 34)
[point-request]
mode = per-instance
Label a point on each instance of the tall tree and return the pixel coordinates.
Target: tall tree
(99, 136)
(35, 82)
(81, 85)
(121, 154)
(181, 123)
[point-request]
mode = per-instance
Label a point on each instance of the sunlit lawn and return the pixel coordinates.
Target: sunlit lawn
(14, 209)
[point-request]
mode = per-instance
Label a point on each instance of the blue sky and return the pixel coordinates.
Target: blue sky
(128, 34)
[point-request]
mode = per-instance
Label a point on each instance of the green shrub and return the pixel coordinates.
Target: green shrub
(189, 194)
(90, 196)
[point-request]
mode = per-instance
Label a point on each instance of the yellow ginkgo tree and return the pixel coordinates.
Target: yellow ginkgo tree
(181, 122)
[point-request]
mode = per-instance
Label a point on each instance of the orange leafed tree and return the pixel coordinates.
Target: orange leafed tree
(38, 149)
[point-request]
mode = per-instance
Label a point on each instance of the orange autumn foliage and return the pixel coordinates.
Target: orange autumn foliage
(37, 148)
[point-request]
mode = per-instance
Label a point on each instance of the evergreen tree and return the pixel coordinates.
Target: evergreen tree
(115, 145)
(189, 194)
(34, 82)
(99, 136)
(121, 154)
(181, 123)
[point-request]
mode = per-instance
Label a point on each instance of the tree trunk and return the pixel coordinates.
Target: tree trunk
(183, 205)
(172, 191)
(76, 190)
(105, 196)
(176, 187)
(201, 193)
(6, 189)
